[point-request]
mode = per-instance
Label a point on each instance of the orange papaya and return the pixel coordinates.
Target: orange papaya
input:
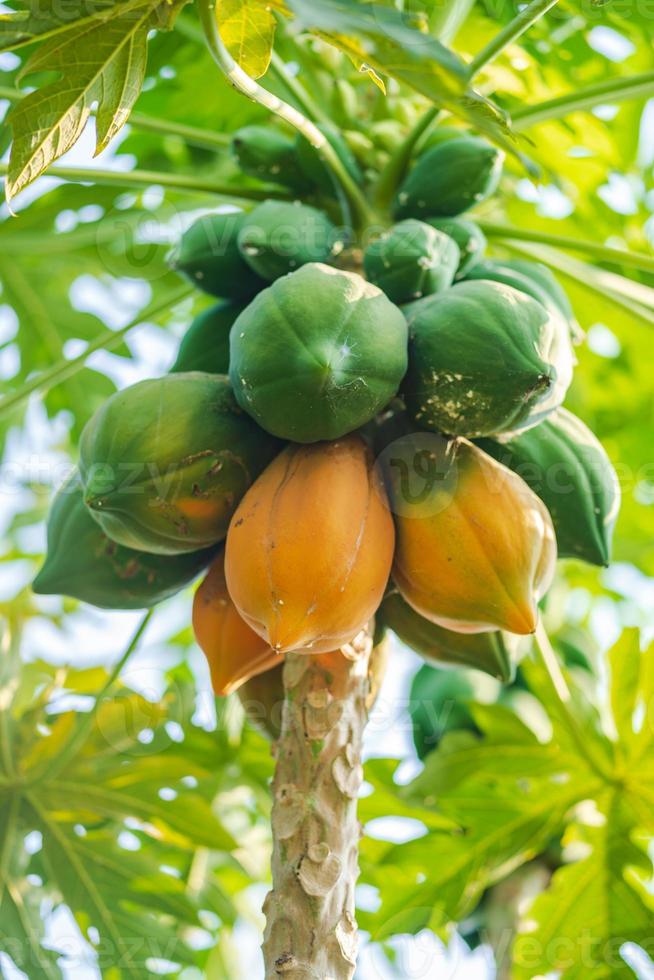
(234, 651)
(310, 547)
(476, 550)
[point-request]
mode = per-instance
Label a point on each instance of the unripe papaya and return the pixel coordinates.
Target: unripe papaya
(440, 134)
(268, 154)
(278, 237)
(82, 562)
(468, 236)
(387, 134)
(449, 179)
(315, 169)
(438, 705)
(165, 462)
(205, 345)
(490, 652)
(317, 354)
(477, 550)
(208, 255)
(563, 462)
(310, 546)
(484, 358)
(234, 651)
(532, 278)
(411, 260)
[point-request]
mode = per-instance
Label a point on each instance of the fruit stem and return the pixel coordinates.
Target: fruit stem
(242, 82)
(310, 915)
(310, 108)
(513, 30)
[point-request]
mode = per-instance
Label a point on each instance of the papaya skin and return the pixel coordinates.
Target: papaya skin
(479, 553)
(310, 547)
(235, 653)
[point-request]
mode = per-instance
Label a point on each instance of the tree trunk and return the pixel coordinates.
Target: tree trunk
(311, 931)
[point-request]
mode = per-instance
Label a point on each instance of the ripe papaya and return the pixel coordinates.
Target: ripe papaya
(165, 462)
(310, 547)
(449, 178)
(278, 237)
(484, 358)
(411, 260)
(205, 345)
(468, 236)
(532, 278)
(312, 165)
(476, 551)
(208, 255)
(268, 154)
(82, 562)
(234, 651)
(439, 704)
(317, 354)
(563, 462)
(490, 652)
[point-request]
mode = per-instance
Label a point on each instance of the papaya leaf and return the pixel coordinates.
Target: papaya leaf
(99, 60)
(248, 29)
(42, 19)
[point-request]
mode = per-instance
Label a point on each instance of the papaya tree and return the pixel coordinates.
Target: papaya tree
(347, 331)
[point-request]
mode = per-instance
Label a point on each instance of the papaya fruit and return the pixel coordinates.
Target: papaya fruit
(278, 237)
(563, 462)
(532, 278)
(310, 546)
(268, 154)
(235, 653)
(205, 345)
(450, 178)
(468, 236)
(82, 562)
(484, 358)
(476, 551)
(208, 256)
(317, 354)
(411, 260)
(438, 704)
(312, 165)
(165, 462)
(490, 652)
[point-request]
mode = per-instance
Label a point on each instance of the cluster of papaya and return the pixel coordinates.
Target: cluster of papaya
(343, 445)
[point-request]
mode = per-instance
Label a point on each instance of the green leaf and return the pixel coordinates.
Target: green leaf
(248, 29)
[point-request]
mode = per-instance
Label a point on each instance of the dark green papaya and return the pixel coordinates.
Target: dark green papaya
(208, 255)
(317, 354)
(264, 152)
(312, 165)
(490, 652)
(468, 236)
(84, 563)
(277, 238)
(450, 178)
(438, 704)
(262, 698)
(484, 359)
(164, 463)
(205, 345)
(563, 462)
(532, 278)
(411, 260)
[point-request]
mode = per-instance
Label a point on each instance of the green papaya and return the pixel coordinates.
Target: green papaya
(567, 467)
(84, 563)
(490, 652)
(468, 236)
(484, 359)
(438, 135)
(450, 178)
(411, 260)
(438, 704)
(268, 154)
(317, 354)
(164, 463)
(387, 134)
(278, 237)
(312, 165)
(205, 345)
(532, 278)
(262, 697)
(208, 255)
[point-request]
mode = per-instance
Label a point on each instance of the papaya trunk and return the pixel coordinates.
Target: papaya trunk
(311, 929)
